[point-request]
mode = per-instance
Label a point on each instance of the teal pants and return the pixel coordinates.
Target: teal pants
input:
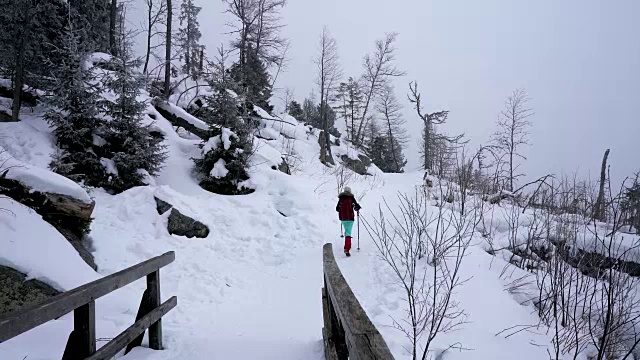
(348, 226)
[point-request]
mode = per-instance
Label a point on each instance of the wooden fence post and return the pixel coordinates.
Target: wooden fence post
(155, 330)
(82, 340)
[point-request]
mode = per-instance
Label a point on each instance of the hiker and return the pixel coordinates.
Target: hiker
(346, 205)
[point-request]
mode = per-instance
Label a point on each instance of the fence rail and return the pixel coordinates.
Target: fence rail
(348, 332)
(81, 300)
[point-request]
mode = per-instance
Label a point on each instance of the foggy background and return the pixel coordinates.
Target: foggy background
(577, 59)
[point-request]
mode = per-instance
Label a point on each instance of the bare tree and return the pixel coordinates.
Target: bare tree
(257, 25)
(156, 15)
(269, 44)
(513, 132)
(328, 67)
(430, 139)
(599, 207)
(378, 68)
(408, 233)
(167, 56)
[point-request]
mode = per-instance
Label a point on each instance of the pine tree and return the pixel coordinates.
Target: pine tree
(132, 149)
(189, 37)
(226, 154)
(310, 115)
(350, 105)
(74, 115)
(252, 80)
(295, 110)
(91, 22)
(631, 204)
(29, 30)
(391, 112)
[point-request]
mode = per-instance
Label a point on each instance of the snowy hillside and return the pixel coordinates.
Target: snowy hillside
(251, 288)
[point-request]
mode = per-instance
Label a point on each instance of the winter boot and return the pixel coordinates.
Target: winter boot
(347, 245)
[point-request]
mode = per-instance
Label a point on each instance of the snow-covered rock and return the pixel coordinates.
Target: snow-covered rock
(40, 180)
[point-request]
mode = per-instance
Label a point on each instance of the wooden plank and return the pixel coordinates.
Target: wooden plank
(363, 340)
(155, 331)
(16, 323)
(120, 342)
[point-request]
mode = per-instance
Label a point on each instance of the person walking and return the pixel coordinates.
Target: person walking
(346, 205)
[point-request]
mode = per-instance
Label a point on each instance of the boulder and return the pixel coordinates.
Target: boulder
(61, 211)
(70, 216)
(16, 292)
(162, 206)
(360, 166)
(183, 225)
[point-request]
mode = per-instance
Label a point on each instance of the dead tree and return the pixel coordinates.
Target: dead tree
(430, 138)
(328, 74)
(599, 207)
(513, 132)
(378, 68)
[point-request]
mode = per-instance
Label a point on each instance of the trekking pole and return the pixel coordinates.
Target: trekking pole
(358, 230)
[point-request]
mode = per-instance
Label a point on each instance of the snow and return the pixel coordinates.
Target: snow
(99, 57)
(219, 169)
(227, 134)
(35, 248)
(109, 166)
(39, 179)
(180, 112)
(251, 289)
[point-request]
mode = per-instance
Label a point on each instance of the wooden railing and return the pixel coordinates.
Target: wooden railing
(82, 340)
(348, 333)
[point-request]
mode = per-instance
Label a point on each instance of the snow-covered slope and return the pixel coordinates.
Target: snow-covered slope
(251, 289)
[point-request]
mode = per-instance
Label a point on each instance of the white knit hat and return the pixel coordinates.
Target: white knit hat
(347, 189)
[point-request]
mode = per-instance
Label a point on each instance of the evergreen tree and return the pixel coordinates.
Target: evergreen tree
(74, 115)
(391, 114)
(296, 111)
(29, 30)
(91, 22)
(350, 105)
(380, 148)
(252, 80)
(631, 204)
(226, 154)
(132, 149)
(189, 37)
(310, 113)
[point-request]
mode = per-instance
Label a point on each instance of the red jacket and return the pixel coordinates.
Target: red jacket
(346, 206)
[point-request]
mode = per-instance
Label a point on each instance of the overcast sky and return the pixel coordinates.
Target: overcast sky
(577, 59)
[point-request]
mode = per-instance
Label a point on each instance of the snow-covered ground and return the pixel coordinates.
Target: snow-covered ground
(251, 289)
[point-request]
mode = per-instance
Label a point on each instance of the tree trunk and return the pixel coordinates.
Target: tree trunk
(112, 28)
(149, 30)
(598, 211)
(18, 82)
(167, 61)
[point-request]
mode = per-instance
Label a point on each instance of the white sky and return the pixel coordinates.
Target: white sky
(577, 59)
